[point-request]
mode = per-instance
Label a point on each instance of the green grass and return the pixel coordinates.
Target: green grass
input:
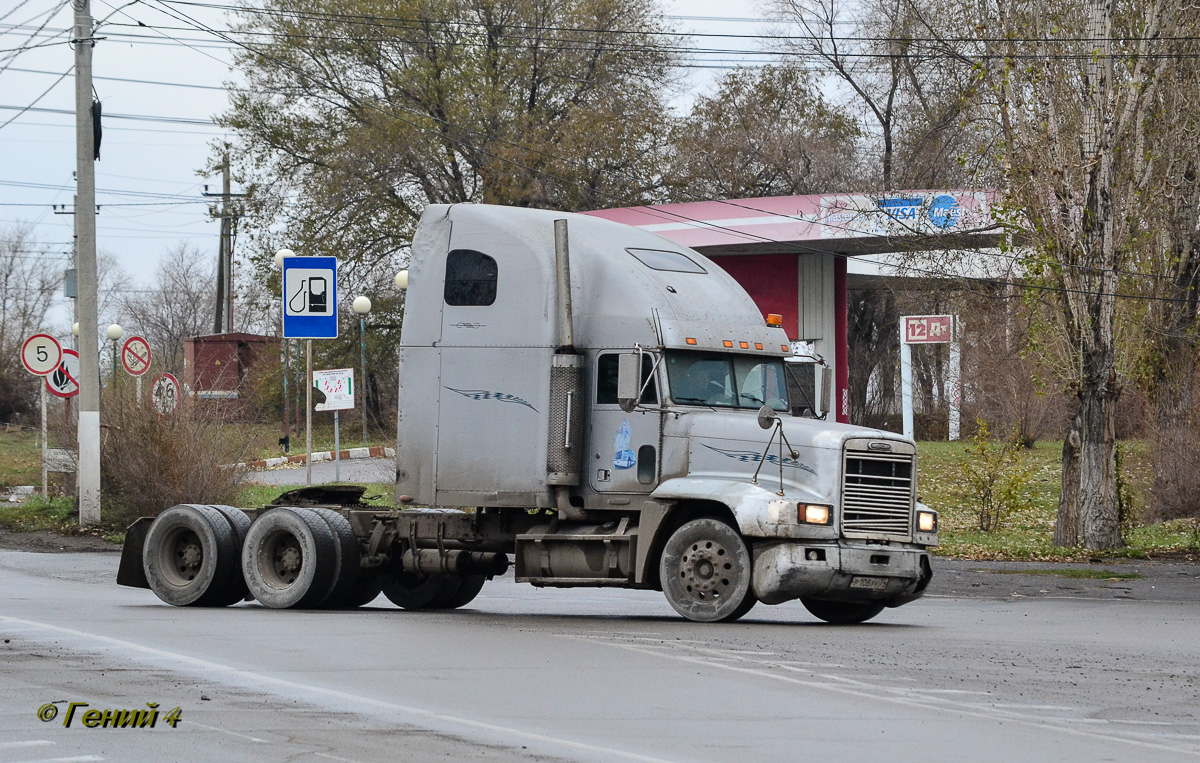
(36, 514)
(20, 458)
(1027, 533)
(1073, 573)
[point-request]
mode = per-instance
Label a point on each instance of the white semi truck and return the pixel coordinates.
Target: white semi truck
(593, 405)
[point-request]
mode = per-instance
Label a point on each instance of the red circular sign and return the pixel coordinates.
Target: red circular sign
(64, 380)
(41, 354)
(135, 356)
(164, 393)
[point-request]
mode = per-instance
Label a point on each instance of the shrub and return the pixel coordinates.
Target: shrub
(997, 473)
(151, 462)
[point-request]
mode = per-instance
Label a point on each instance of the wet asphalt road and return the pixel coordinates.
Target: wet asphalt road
(990, 666)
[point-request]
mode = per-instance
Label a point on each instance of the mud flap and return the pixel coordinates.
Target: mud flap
(131, 572)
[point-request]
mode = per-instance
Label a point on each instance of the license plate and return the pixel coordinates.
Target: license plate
(871, 584)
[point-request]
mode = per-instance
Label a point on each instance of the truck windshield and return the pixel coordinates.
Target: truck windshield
(727, 380)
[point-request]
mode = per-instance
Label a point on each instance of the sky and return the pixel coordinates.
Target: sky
(153, 67)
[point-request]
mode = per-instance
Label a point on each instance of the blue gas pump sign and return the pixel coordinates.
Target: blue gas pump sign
(310, 298)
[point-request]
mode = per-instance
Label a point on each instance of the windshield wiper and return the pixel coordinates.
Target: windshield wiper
(752, 398)
(691, 400)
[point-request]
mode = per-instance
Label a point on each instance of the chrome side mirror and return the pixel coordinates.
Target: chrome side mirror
(766, 417)
(629, 387)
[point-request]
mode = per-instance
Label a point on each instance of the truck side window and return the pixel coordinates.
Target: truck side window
(470, 278)
(606, 380)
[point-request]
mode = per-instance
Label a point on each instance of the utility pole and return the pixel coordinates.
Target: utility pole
(85, 268)
(223, 315)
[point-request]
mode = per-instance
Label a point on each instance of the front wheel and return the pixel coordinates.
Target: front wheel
(705, 572)
(843, 612)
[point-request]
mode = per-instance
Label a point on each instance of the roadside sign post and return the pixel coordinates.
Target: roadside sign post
(41, 355)
(930, 329)
(135, 356)
(309, 312)
(338, 386)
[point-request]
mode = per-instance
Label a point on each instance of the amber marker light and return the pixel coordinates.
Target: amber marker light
(774, 320)
(744, 345)
(758, 345)
(784, 347)
(690, 340)
(727, 343)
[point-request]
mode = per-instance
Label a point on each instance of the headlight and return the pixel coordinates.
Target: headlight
(927, 521)
(815, 514)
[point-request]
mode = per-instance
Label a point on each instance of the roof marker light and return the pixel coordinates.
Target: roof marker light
(744, 345)
(727, 343)
(785, 348)
(690, 340)
(774, 319)
(758, 345)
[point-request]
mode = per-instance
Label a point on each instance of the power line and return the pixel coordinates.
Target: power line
(127, 79)
(109, 115)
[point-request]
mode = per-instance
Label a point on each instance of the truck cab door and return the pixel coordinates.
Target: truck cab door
(623, 452)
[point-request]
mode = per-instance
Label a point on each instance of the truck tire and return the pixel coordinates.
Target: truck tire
(345, 584)
(451, 597)
(290, 559)
(240, 524)
(705, 572)
(190, 557)
(843, 612)
(367, 590)
(408, 591)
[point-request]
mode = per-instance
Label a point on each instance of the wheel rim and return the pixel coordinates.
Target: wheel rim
(280, 559)
(181, 556)
(706, 571)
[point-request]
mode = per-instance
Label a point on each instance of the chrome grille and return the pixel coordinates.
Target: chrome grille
(877, 493)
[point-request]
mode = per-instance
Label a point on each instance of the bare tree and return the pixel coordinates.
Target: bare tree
(1077, 85)
(914, 92)
(176, 307)
(29, 277)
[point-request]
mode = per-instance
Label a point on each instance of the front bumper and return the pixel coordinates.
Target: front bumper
(840, 571)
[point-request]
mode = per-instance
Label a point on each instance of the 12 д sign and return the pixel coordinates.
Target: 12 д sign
(928, 329)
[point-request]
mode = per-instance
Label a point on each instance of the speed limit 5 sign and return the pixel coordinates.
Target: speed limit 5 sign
(41, 354)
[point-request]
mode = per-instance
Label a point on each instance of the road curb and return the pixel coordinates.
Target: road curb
(348, 454)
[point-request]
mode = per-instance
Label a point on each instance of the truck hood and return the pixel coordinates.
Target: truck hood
(730, 445)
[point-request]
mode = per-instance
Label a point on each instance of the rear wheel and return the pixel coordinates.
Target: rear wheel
(412, 591)
(345, 589)
(240, 524)
(190, 557)
(290, 559)
(705, 572)
(468, 588)
(843, 612)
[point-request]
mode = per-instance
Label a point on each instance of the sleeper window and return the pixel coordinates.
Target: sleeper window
(470, 278)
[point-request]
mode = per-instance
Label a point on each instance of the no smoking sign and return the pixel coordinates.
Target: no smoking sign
(135, 356)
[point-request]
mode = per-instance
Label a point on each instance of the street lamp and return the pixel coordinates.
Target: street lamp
(362, 306)
(287, 367)
(114, 333)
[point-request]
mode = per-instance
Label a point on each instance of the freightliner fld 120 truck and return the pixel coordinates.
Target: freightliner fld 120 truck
(593, 405)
